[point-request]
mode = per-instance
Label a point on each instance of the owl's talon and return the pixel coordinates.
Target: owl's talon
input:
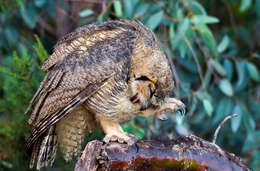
(183, 111)
(170, 105)
(133, 139)
(129, 139)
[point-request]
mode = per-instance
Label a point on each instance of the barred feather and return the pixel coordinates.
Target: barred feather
(48, 84)
(44, 150)
(49, 120)
(81, 65)
(71, 131)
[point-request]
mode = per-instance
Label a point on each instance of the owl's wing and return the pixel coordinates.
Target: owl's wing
(92, 33)
(79, 66)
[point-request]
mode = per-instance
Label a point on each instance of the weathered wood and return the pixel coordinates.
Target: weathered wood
(183, 153)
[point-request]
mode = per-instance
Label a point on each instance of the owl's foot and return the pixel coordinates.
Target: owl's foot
(170, 105)
(114, 133)
(129, 139)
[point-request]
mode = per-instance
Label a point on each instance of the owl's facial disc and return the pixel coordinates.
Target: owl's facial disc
(143, 90)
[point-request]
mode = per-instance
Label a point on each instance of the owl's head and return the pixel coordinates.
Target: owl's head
(149, 93)
(142, 91)
(153, 100)
(151, 80)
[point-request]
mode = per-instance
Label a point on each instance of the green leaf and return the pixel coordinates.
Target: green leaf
(218, 67)
(11, 34)
(243, 77)
(235, 122)
(194, 104)
(245, 4)
(140, 10)
(204, 19)
(207, 78)
(100, 18)
(249, 123)
(29, 16)
(171, 31)
(226, 87)
(86, 13)
(223, 109)
(196, 8)
(155, 20)
(208, 106)
(251, 143)
(118, 8)
(40, 50)
(223, 44)
(179, 14)
(140, 132)
(10, 73)
(208, 38)
(190, 65)
(20, 4)
(39, 3)
(253, 71)
(6, 164)
(183, 48)
(257, 7)
(182, 28)
(129, 7)
(229, 68)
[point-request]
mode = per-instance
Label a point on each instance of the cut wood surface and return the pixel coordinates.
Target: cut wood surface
(183, 153)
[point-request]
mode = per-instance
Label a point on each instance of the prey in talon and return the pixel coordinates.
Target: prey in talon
(100, 75)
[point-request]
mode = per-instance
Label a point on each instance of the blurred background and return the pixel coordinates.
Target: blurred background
(213, 47)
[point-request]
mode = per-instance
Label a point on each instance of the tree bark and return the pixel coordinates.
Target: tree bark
(67, 14)
(183, 153)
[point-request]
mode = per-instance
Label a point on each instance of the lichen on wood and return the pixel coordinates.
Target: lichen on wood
(183, 153)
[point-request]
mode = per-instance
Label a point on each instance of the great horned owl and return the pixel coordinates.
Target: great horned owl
(99, 75)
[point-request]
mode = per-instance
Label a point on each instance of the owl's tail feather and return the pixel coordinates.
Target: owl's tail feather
(44, 149)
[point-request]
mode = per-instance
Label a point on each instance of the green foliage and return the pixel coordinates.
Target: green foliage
(42, 54)
(214, 46)
(18, 86)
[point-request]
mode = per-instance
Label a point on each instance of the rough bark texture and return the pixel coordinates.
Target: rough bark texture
(184, 153)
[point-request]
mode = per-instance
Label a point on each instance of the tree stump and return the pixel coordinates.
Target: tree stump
(183, 153)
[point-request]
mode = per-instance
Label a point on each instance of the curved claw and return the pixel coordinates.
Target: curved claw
(182, 111)
(133, 139)
(129, 139)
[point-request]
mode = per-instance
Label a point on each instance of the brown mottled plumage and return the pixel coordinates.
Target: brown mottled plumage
(100, 74)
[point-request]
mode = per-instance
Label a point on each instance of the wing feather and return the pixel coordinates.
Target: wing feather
(84, 37)
(52, 119)
(49, 83)
(78, 70)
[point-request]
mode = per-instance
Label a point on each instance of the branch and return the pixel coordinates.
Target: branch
(177, 79)
(182, 153)
(46, 25)
(221, 125)
(195, 58)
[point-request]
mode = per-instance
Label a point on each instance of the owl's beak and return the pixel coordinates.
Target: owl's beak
(135, 98)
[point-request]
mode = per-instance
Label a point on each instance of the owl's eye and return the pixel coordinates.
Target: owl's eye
(143, 78)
